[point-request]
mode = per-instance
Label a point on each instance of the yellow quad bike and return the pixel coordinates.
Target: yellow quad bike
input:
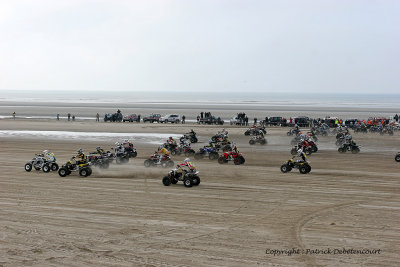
(304, 167)
(82, 167)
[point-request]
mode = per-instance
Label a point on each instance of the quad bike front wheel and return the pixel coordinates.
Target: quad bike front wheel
(195, 180)
(170, 163)
(188, 182)
(355, 150)
(341, 150)
(213, 156)
(54, 167)
(166, 181)
(251, 142)
(237, 161)
(263, 141)
(198, 156)
(84, 172)
(397, 158)
(303, 169)
(46, 168)
(147, 163)
(28, 167)
(221, 160)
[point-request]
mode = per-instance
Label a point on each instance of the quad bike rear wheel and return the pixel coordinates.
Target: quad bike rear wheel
(263, 141)
(397, 158)
(285, 168)
(242, 160)
(237, 161)
(28, 167)
(63, 172)
(170, 163)
(355, 150)
(164, 164)
(341, 150)
(166, 181)
(251, 142)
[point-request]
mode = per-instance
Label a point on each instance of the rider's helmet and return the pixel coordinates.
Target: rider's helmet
(187, 160)
(45, 151)
(300, 150)
(80, 151)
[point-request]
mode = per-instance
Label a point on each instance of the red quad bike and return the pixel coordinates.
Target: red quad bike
(236, 157)
(154, 161)
(307, 148)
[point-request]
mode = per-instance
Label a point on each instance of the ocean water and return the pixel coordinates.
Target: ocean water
(206, 98)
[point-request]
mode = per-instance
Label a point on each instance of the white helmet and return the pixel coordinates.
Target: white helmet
(299, 150)
(187, 160)
(45, 151)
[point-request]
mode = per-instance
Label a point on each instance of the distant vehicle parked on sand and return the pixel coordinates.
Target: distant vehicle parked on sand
(131, 118)
(152, 118)
(172, 118)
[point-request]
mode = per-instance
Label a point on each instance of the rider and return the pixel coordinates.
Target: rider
(161, 152)
(80, 158)
(187, 166)
(49, 156)
(301, 156)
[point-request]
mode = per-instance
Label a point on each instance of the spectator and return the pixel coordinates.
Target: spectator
(97, 117)
(255, 121)
(198, 119)
(14, 114)
(183, 119)
(290, 120)
(69, 116)
(396, 118)
(201, 114)
(138, 118)
(58, 116)
(73, 117)
(246, 119)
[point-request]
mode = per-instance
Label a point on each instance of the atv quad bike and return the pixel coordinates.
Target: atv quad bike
(188, 178)
(303, 166)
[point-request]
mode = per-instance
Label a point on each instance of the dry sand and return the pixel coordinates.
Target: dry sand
(124, 216)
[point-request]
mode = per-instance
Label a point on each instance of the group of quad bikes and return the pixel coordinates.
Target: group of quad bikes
(257, 135)
(218, 143)
(303, 145)
(82, 163)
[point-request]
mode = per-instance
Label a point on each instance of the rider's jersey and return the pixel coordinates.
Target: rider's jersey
(187, 166)
(163, 151)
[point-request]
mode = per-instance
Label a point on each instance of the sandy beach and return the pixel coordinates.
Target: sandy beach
(238, 215)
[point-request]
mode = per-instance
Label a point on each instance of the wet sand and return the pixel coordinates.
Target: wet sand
(124, 216)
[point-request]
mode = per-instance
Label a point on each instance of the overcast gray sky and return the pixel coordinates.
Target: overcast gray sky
(253, 45)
